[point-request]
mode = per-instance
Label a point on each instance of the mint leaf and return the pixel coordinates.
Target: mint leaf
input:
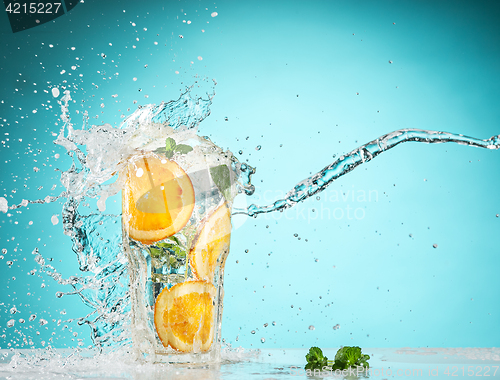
(170, 144)
(160, 150)
(183, 149)
(222, 178)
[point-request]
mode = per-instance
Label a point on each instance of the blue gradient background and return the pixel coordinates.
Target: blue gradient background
(306, 82)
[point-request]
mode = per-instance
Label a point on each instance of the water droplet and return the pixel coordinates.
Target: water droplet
(336, 327)
(4, 250)
(252, 332)
(145, 29)
(214, 14)
(43, 322)
(274, 323)
(262, 340)
(13, 310)
(497, 215)
(258, 147)
(295, 235)
(435, 245)
(59, 294)
(265, 324)
(54, 219)
(246, 250)
(390, 61)
(200, 58)
(11, 323)
(21, 320)
(139, 172)
(55, 92)
(103, 55)
(32, 317)
(312, 327)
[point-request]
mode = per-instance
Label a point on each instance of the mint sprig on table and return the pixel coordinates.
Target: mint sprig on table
(345, 358)
(172, 147)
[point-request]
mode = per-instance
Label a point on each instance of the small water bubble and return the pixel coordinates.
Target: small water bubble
(181, 36)
(35, 169)
(311, 327)
(32, 317)
(4, 250)
(497, 215)
(274, 323)
(266, 324)
(214, 14)
(43, 322)
(336, 327)
(9, 263)
(246, 250)
(295, 235)
(13, 310)
(11, 323)
(258, 147)
(390, 61)
(42, 285)
(252, 332)
(103, 55)
(55, 92)
(434, 245)
(145, 29)
(410, 235)
(54, 219)
(21, 320)
(262, 340)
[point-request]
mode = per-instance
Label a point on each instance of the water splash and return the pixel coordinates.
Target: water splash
(346, 163)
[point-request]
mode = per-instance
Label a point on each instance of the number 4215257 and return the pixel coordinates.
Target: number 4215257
(33, 7)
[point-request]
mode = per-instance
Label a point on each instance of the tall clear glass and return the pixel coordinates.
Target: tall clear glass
(176, 218)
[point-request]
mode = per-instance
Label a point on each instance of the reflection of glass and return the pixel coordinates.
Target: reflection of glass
(176, 230)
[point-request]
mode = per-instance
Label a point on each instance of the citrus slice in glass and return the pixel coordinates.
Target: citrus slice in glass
(211, 243)
(158, 199)
(184, 316)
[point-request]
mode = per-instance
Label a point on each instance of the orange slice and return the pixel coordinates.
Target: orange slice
(184, 316)
(158, 199)
(211, 243)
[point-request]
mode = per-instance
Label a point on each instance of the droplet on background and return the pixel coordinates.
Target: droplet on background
(336, 327)
(434, 245)
(214, 14)
(54, 219)
(312, 327)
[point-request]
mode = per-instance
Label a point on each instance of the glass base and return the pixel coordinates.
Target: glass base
(185, 359)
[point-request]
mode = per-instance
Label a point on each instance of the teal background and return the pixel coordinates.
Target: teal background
(306, 81)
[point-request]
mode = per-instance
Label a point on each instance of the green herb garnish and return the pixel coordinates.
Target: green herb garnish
(345, 358)
(222, 178)
(172, 147)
